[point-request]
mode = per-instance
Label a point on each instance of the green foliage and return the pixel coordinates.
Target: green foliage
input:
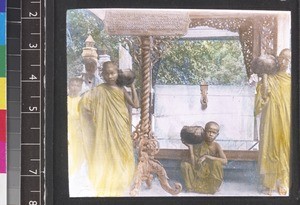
(81, 23)
(184, 62)
(214, 61)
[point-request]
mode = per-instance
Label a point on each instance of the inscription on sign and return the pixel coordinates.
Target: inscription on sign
(146, 23)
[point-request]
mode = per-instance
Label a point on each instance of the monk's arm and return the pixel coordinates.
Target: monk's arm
(265, 87)
(192, 154)
(222, 157)
(261, 96)
(133, 101)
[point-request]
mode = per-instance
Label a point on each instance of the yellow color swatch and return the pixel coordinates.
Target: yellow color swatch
(2, 93)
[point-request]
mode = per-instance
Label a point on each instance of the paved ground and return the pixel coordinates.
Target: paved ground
(80, 187)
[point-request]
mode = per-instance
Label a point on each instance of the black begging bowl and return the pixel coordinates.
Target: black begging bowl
(125, 77)
(192, 134)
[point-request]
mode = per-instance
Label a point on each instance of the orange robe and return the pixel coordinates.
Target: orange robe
(75, 150)
(107, 140)
(205, 177)
(275, 124)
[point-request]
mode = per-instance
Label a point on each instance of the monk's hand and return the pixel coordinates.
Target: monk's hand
(183, 142)
(132, 85)
(201, 159)
(209, 157)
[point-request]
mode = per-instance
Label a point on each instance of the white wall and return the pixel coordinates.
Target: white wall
(230, 106)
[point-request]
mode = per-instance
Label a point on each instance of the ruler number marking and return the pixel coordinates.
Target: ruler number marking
(34, 172)
(33, 45)
(32, 109)
(33, 14)
(32, 203)
(33, 77)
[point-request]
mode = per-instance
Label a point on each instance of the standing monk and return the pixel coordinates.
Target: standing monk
(107, 135)
(273, 101)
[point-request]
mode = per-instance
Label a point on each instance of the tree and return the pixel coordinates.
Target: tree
(176, 61)
(81, 23)
(213, 61)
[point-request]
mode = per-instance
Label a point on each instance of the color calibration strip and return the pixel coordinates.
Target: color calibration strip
(3, 156)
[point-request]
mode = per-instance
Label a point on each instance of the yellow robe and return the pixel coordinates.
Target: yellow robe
(275, 130)
(75, 155)
(107, 140)
(205, 177)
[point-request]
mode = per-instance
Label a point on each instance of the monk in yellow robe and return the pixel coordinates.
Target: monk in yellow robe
(205, 172)
(107, 134)
(76, 154)
(273, 101)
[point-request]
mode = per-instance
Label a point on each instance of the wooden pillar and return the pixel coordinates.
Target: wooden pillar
(148, 145)
(146, 24)
(256, 37)
(146, 86)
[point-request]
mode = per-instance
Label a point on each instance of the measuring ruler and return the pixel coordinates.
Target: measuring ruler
(13, 101)
(32, 98)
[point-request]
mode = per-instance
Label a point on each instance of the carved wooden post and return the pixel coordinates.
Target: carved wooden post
(146, 86)
(269, 35)
(203, 98)
(148, 145)
(145, 25)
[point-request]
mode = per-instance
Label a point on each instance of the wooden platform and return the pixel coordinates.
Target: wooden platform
(183, 154)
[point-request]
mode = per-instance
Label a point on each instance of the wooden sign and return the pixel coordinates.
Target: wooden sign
(146, 23)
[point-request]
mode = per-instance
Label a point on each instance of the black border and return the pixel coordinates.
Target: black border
(56, 111)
